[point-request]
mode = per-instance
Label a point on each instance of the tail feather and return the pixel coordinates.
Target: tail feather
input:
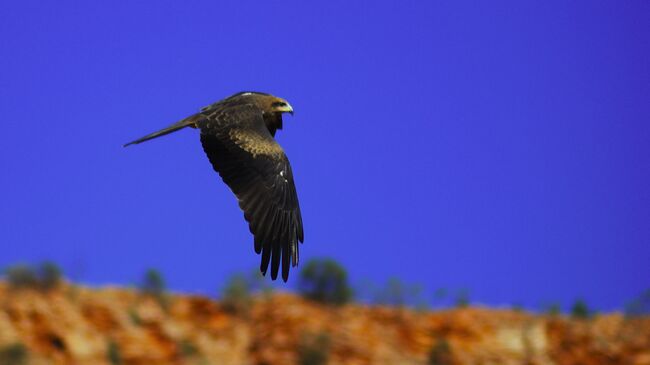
(187, 122)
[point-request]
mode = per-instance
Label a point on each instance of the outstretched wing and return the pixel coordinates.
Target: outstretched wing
(254, 166)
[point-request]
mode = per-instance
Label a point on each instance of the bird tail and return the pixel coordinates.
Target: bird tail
(187, 122)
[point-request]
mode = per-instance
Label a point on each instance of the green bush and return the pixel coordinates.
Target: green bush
(440, 353)
(314, 349)
(153, 283)
(325, 281)
(15, 354)
(49, 275)
(640, 306)
(21, 276)
(46, 276)
(113, 353)
(580, 310)
(462, 298)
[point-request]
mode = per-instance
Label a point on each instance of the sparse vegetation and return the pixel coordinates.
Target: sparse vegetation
(580, 310)
(237, 296)
(14, 354)
(314, 349)
(440, 294)
(113, 353)
(399, 294)
(462, 298)
(553, 309)
(185, 346)
(640, 306)
(153, 283)
(49, 275)
(325, 281)
(21, 276)
(46, 276)
(440, 353)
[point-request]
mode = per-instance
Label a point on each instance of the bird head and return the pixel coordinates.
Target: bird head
(279, 105)
(269, 103)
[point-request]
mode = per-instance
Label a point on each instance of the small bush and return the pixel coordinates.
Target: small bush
(440, 294)
(21, 276)
(153, 283)
(580, 310)
(440, 353)
(462, 298)
(640, 306)
(553, 309)
(15, 354)
(399, 294)
(314, 350)
(46, 276)
(49, 275)
(237, 295)
(113, 353)
(325, 281)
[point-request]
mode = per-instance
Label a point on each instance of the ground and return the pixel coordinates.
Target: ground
(105, 326)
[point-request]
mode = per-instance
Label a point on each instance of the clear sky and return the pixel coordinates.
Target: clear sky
(502, 147)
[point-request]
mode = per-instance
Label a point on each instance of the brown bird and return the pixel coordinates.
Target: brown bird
(237, 135)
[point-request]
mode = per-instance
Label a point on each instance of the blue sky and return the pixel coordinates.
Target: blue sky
(502, 147)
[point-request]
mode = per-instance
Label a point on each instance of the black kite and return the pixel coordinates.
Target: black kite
(237, 135)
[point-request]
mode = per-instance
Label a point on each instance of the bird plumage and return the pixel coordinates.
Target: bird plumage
(237, 137)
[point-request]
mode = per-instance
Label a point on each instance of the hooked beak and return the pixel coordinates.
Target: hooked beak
(287, 109)
(282, 106)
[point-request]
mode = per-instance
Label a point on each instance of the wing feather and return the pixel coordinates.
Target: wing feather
(242, 150)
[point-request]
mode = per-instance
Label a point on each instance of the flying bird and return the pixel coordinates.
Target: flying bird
(237, 134)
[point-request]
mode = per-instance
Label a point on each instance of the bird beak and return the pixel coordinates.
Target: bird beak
(285, 108)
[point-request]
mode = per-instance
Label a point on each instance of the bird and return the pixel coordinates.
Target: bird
(238, 137)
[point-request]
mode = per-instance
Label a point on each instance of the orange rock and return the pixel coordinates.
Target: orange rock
(78, 325)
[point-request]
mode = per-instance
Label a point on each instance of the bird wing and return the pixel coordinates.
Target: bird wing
(254, 166)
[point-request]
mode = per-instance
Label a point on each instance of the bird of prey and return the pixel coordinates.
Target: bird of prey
(237, 136)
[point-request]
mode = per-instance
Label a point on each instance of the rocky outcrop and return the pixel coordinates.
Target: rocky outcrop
(79, 325)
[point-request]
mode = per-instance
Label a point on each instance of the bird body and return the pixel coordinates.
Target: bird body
(237, 137)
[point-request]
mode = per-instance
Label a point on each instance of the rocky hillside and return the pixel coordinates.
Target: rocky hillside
(107, 326)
